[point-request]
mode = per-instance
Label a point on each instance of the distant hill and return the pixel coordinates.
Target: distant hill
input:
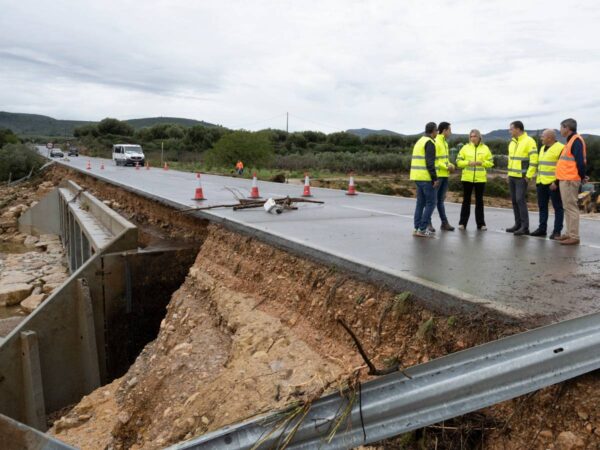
(38, 125)
(34, 124)
(364, 132)
(505, 134)
(150, 121)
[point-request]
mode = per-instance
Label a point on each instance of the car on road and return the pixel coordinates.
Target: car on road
(128, 155)
(73, 151)
(56, 153)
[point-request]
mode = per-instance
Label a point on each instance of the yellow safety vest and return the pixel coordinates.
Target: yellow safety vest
(441, 156)
(468, 153)
(522, 149)
(418, 169)
(548, 157)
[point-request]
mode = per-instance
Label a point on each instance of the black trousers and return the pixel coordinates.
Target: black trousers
(465, 210)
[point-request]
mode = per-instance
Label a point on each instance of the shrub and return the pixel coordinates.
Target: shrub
(17, 160)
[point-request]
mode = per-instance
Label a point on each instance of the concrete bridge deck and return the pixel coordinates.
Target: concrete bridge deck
(523, 277)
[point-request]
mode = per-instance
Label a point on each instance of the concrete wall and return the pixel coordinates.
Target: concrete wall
(43, 217)
(62, 330)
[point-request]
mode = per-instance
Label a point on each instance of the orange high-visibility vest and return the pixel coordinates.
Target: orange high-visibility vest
(566, 167)
(239, 165)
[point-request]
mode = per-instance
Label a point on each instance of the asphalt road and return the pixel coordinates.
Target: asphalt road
(523, 277)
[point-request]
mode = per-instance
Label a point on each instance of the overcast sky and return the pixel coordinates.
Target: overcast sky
(333, 65)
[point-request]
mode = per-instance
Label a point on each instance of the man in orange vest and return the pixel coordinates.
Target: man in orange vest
(239, 167)
(570, 173)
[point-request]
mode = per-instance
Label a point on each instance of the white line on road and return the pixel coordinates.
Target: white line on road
(377, 211)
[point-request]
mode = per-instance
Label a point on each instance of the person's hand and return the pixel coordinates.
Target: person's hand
(472, 163)
(436, 183)
(553, 186)
(526, 179)
(451, 167)
(479, 163)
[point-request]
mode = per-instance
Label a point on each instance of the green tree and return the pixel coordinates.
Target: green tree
(8, 137)
(17, 160)
(254, 149)
(344, 139)
(86, 130)
(199, 138)
(115, 126)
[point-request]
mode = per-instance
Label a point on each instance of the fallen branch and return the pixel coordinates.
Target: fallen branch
(372, 369)
(286, 202)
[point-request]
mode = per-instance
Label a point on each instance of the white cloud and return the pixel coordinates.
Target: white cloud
(333, 65)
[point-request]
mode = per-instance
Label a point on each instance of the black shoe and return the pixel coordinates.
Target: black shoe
(430, 228)
(554, 235)
(521, 232)
(538, 232)
(513, 228)
(447, 227)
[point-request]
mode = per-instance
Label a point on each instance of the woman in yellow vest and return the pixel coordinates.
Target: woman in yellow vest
(474, 159)
(547, 186)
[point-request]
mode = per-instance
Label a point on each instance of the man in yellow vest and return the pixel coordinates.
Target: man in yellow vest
(422, 172)
(522, 164)
(547, 185)
(443, 167)
(570, 172)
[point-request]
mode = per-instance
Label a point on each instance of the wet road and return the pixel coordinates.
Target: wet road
(520, 276)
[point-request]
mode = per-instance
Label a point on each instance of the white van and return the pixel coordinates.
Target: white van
(128, 154)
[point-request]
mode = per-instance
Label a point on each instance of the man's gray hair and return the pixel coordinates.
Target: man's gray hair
(571, 124)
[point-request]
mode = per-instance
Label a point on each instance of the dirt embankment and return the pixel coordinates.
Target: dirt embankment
(254, 328)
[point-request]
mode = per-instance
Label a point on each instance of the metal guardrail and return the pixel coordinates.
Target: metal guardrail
(15, 435)
(440, 389)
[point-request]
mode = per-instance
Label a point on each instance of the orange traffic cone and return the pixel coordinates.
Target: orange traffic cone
(101, 166)
(199, 195)
(351, 187)
(147, 165)
(166, 166)
(306, 192)
(254, 191)
(89, 165)
(137, 165)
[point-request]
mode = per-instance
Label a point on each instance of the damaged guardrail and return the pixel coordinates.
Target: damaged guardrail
(438, 390)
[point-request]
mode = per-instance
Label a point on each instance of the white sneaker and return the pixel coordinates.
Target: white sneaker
(483, 228)
(461, 227)
(426, 233)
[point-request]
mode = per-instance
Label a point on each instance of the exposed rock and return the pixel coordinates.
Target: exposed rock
(567, 440)
(30, 241)
(54, 278)
(16, 278)
(65, 423)
(13, 294)
(32, 302)
(48, 288)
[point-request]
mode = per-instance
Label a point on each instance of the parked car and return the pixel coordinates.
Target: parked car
(56, 153)
(128, 154)
(73, 151)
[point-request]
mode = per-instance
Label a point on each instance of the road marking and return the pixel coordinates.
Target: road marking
(377, 211)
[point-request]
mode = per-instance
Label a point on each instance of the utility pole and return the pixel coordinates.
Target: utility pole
(287, 121)
(162, 150)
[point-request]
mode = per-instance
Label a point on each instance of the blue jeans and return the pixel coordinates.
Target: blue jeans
(425, 204)
(544, 195)
(440, 193)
